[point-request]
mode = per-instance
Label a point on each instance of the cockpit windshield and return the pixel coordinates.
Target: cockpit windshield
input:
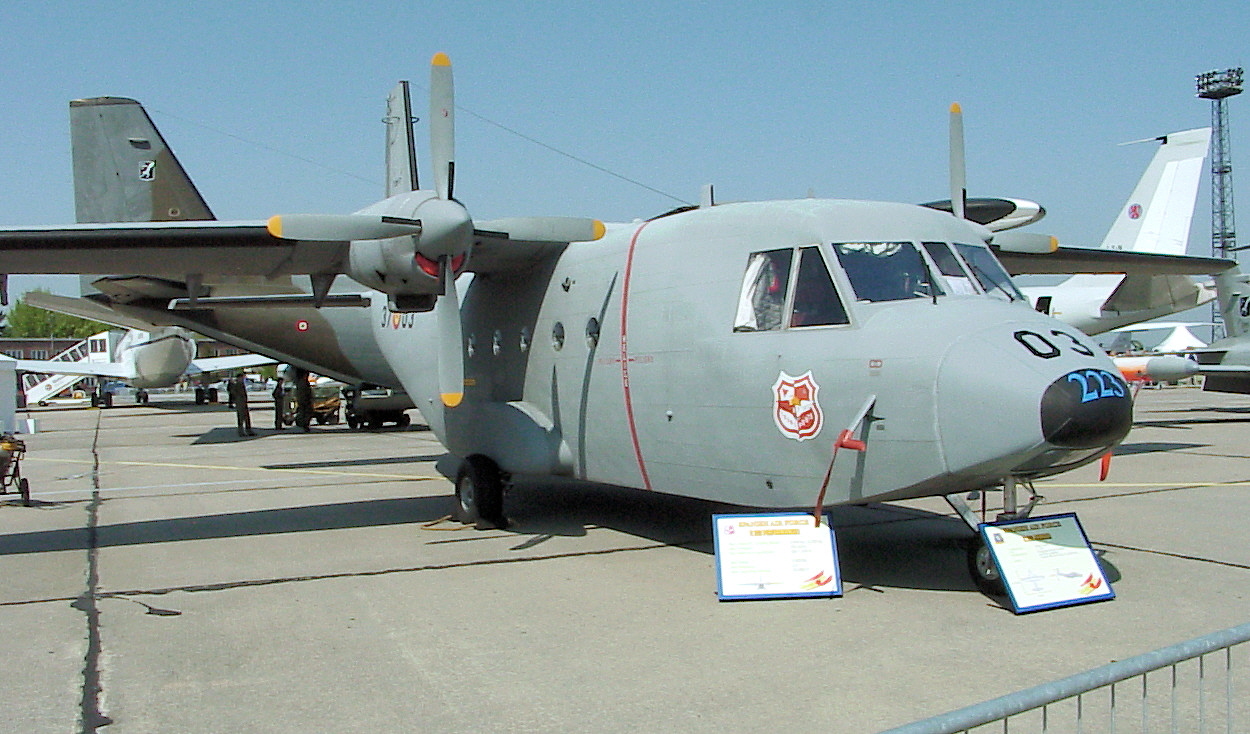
(989, 272)
(791, 287)
(886, 271)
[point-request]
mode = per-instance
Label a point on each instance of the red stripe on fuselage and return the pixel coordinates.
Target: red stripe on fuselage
(629, 404)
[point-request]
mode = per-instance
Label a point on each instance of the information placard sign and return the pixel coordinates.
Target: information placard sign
(775, 555)
(1046, 562)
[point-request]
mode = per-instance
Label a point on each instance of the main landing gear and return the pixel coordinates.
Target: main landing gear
(479, 493)
(980, 563)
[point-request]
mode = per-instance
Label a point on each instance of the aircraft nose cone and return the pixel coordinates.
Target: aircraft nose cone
(1086, 409)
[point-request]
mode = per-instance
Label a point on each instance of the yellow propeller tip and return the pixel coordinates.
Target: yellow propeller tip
(440, 59)
(956, 109)
(274, 225)
(600, 229)
(452, 399)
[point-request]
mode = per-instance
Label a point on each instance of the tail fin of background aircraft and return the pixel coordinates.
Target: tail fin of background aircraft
(401, 148)
(123, 170)
(1156, 217)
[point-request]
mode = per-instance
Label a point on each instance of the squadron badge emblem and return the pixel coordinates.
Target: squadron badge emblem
(796, 410)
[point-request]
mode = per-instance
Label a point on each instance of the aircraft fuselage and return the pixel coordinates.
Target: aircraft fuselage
(651, 359)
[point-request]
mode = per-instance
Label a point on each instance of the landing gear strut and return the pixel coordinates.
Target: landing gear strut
(980, 563)
(479, 492)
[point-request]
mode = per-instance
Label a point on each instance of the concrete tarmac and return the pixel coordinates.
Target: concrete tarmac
(174, 577)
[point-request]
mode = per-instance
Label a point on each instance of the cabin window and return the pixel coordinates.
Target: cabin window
(947, 263)
(989, 272)
(816, 301)
(772, 276)
(762, 300)
(886, 271)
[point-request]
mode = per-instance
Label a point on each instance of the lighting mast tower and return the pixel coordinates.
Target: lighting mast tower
(1218, 86)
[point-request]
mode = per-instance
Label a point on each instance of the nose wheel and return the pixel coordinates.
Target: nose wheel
(983, 570)
(981, 564)
(479, 494)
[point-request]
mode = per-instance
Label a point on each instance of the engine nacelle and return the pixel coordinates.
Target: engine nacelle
(407, 268)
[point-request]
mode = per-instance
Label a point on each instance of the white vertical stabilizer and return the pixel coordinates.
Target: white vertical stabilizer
(1157, 216)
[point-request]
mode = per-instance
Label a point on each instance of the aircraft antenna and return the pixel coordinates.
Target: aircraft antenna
(1218, 86)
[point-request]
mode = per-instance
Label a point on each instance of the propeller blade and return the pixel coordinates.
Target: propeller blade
(340, 227)
(959, 178)
(546, 229)
(442, 125)
(450, 340)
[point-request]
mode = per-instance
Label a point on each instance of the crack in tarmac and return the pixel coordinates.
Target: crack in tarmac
(250, 583)
(91, 718)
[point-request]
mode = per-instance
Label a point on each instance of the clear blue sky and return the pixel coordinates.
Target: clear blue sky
(276, 107)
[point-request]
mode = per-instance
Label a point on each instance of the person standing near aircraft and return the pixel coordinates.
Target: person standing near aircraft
(279, 404)
(303, 400)
(238, 395)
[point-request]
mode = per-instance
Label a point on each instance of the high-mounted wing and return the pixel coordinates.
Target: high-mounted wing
(165, 249)
(1067, 260)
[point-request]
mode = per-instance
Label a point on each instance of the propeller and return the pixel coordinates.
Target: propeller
(448, 230)
(959, 177)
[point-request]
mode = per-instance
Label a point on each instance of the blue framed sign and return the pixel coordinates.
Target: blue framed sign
(1046, 562)
(775, 555)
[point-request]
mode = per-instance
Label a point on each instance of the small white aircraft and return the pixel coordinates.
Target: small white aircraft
(1155, 219)
(143, 356)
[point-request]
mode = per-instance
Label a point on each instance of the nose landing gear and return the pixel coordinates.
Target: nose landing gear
(981, 564)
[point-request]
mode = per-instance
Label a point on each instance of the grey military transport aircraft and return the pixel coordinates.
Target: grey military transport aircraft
(772, 354)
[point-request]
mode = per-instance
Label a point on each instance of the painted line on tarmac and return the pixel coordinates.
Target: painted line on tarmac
(147, 486)
(1145, 485)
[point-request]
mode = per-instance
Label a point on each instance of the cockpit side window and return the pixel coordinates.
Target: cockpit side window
(989, 272)
(816, 301)
(762, 300)
(886, 271)
(951, 269)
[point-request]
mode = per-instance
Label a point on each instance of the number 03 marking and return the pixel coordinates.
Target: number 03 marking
(1044, 348)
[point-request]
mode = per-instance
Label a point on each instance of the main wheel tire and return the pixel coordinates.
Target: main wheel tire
(479, 494)
(23, 488)
(983, 569)
(404, 421)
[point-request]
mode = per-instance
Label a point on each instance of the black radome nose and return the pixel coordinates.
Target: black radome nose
(1086, 409)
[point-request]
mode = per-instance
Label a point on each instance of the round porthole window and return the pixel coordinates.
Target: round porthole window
(557, 336)
(525, 339)
(592, 332)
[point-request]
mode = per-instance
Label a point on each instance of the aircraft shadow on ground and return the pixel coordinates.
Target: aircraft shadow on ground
(230, 434)
(878, 545)
(336, 516)
(381, 461)
(1230, 416)
(1151, 447)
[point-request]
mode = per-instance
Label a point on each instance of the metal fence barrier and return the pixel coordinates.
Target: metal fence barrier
(1185, 709)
